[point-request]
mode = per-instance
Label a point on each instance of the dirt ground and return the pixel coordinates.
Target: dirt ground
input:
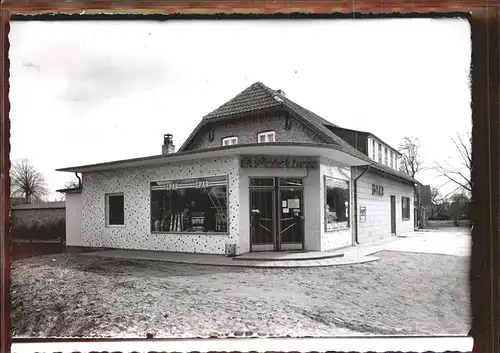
(402, 293)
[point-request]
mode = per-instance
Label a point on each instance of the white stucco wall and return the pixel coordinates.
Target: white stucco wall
(338, 238)
(74, 219)
(134, 183)
(378, 208)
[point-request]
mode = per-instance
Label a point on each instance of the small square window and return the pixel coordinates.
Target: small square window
(267, 136)
(115, 214)
(228, 141)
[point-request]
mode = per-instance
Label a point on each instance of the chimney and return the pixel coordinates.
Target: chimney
(280, 92)
(168, 144)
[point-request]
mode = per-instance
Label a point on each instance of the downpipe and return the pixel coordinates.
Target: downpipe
(79, 181)
(355, 186)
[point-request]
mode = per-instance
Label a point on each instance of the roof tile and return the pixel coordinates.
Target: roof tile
(251, 99)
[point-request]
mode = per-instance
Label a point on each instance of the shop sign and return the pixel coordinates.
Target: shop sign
(267, 162)
(377, 190)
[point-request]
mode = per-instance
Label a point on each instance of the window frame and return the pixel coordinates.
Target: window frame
(326, 230)
(403, 198)
(266, 134)
(107, 209)
(379, 155)
(229, 139)
(228, 220)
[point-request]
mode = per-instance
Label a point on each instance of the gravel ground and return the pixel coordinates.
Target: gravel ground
(402, 293)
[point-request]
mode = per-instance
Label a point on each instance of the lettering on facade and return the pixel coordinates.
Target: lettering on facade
(377, 190)
(201, 184)
(266, 162)
(171, 186)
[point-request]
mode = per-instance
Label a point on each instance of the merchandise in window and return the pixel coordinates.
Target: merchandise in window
(337, 198)
(192, 206)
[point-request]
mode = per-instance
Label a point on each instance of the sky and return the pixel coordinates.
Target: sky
(85, 92)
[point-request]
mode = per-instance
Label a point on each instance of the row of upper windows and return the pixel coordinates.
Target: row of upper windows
(266, 136)
(382, 154)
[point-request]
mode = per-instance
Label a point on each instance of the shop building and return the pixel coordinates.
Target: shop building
(260, 173)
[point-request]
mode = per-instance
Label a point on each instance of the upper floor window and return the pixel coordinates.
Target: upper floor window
(386, 156)
(228, 141)
(267, 136)
(392, 160)
(379, 153)
(373, 149)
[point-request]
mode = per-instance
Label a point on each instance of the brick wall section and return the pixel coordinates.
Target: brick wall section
(39, 217)
(247, 129)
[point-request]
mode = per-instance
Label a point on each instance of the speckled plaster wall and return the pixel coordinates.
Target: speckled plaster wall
(338, 238)
(134, 183)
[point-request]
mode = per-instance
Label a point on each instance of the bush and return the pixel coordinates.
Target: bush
(440, 217)
(51, 231)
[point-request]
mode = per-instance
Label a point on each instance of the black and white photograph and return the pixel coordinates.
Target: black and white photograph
(240, 178)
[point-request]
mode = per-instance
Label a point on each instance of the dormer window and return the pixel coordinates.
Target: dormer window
(379, 153)
(266, 136)
(228, 141)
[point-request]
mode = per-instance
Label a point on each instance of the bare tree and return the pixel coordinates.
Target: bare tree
(27, 182)
(435, 195)
(70, 184)
(411, 163)
(459, 172)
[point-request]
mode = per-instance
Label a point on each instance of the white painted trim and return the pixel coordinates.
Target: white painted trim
(106, 215)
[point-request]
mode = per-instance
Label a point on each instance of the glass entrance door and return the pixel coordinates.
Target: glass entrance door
(291, 219)
(262, 219)
(276, 214)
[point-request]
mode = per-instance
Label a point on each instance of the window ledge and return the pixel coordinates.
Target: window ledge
(190, 233)
(406, 219)
(115, 226)
(337, 230)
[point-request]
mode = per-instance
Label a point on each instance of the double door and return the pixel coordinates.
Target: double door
(276, 214)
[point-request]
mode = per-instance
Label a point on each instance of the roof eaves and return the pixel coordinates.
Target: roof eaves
(395, 173)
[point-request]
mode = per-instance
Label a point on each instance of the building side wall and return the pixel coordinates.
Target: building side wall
(134, 183)
(247, 129)
(74, 219)
(356, 139)
(338, 238)
(378, 208)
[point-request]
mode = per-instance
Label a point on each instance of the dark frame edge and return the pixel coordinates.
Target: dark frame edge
(484, 263)
(485, 112)
(5, 327)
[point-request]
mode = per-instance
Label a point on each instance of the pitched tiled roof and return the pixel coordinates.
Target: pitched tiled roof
(255, 97)
(259, 97)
